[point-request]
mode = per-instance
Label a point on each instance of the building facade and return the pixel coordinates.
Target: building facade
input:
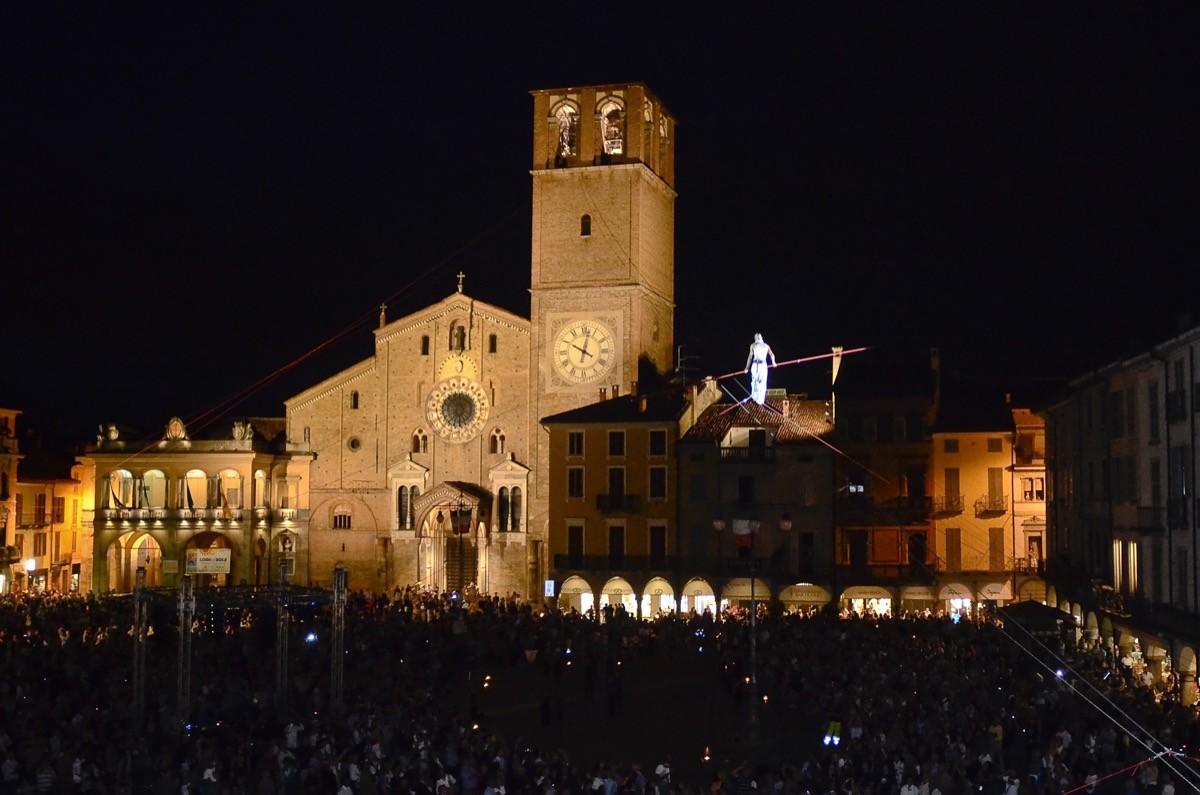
(614, 501)
(10, 457)
(756, 509)
(228, 504)
(989, 508)
(1122, 525)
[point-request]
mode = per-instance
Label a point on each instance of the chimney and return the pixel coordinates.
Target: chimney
(785, 408)
(616, 390)
(603, 394)
(633, 387)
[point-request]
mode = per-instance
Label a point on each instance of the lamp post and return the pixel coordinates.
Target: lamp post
(719, 525)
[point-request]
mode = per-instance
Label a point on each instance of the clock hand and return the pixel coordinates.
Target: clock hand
(582, 350)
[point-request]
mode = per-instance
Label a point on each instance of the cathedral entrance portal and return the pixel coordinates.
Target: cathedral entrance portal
(455, 519)
(462, 563)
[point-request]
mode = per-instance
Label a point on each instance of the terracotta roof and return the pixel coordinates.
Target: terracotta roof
(804, 420)
(659, 407)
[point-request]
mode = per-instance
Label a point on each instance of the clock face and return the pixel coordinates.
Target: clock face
(584, 351)
(457, 408)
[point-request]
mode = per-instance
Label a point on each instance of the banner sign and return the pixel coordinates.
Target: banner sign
(209, 561)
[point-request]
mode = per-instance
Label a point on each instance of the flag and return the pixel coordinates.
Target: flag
(743, 531)
(188, 486)
(116, 498)
(837, 363)
(224, 503)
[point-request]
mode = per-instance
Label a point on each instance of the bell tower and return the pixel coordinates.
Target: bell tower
(603, 264)
(602, 276)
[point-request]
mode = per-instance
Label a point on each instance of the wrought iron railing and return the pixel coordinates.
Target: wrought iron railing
(759, 453)
(948, 504)
(991, 504)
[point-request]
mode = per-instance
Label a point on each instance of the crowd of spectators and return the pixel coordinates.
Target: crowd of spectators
(911, 705)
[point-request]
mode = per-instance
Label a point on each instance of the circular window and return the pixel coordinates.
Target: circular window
(457, 409)
(354, 443)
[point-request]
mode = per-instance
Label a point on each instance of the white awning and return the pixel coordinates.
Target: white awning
(866, 592)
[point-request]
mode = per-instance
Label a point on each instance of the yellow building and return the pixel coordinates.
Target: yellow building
(989, 507)
(614, 501)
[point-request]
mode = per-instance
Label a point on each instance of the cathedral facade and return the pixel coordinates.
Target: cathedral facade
(430, 465)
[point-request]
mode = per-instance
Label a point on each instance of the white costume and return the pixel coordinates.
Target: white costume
(761, 357)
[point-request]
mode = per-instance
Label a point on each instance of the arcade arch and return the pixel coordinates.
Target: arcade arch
(618, 591)
(697, 597)
(658, 597)
(575, 594)
(126, 554)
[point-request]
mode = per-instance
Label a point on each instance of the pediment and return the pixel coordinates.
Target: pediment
(407, 467)
(509, 467)
(450, 493)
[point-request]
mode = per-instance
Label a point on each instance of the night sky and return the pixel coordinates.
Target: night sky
(193, 197)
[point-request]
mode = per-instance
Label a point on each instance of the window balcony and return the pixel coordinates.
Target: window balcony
(948, 504)
(759, 454)
(604, 563)
(991, 505)
(618, 503)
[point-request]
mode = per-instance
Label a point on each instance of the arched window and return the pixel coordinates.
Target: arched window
(497, 445)
(502, 509)
(354, 399)
(261, 498)
(612, 127)
(425, 345)
(458, 337)
(195, 489)
(120, 489)
(585, 226)
(420, 442)
(491, 343)
(515, 509)
(403, 509)
(154, 490)
(341, 518)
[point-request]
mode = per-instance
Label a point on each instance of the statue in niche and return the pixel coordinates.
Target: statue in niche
(761, 358)
(612, 124)
(566, 132)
